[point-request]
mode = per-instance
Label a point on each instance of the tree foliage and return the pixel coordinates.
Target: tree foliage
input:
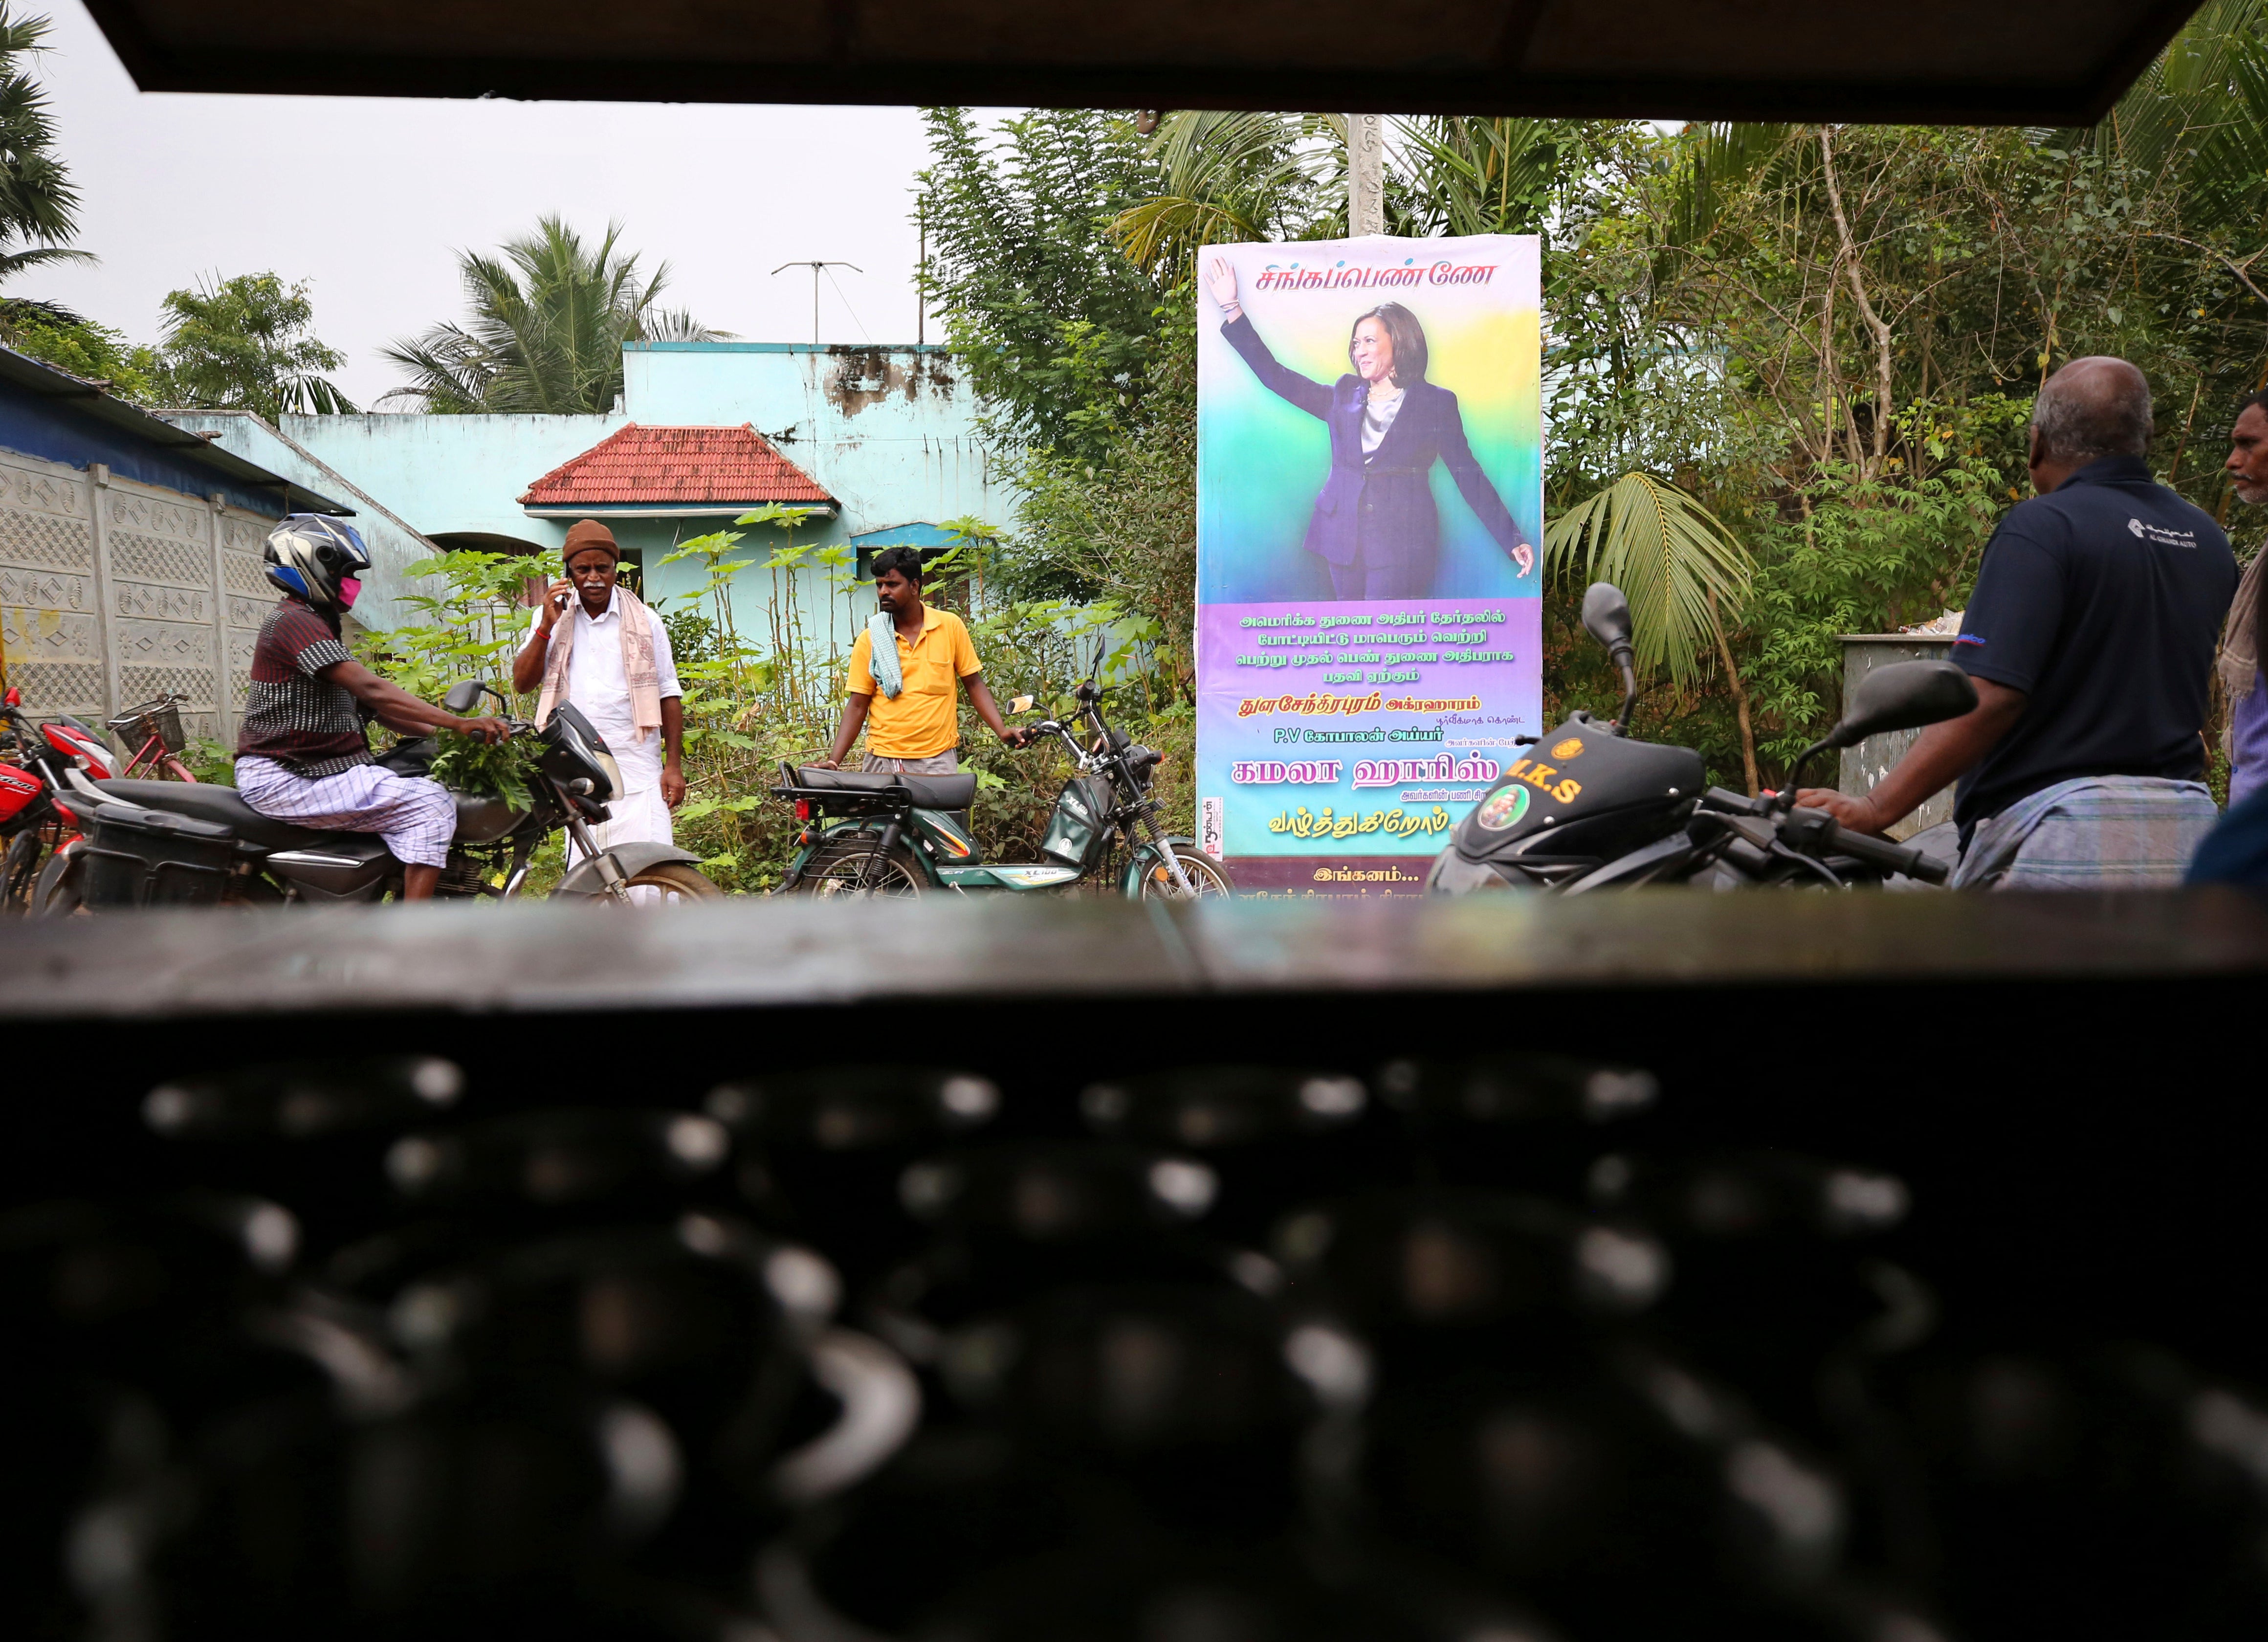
(54, 334)
(39, 203)
(1788, 367)
(547, 318)
(1055, 328)
(249, 343)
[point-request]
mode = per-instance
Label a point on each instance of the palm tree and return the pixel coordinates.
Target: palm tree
(1229, 177)
(38, 206)
(549, 317)
(1685, 574)
(1475, 176)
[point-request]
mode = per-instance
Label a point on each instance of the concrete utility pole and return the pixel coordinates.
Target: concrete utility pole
(1365, 174)
(816, 268)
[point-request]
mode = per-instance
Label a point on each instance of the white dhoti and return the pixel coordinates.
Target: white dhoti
(637, 814)
(598, 688)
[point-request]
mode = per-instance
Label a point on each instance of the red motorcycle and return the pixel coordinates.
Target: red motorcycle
(37, 762)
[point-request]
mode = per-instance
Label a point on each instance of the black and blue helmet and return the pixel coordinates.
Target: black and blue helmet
(316, 558)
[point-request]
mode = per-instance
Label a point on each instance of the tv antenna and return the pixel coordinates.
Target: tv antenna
(816, 267)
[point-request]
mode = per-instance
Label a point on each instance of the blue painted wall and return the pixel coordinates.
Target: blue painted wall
(40, 425)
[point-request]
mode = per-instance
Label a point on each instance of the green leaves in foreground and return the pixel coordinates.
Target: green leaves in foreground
(1668, 554)
(485, 769)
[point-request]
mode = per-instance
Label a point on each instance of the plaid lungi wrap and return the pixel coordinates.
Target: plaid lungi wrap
(416, 817)
(2099, 832)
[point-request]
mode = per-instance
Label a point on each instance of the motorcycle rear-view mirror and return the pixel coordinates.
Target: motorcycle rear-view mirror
(463, 696)
(1020, 703)
(1607, 618)
(1903, 696)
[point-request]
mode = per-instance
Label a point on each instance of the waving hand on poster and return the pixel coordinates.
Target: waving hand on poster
(1375, 523)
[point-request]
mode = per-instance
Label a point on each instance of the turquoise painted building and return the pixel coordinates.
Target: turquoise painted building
(879, 444)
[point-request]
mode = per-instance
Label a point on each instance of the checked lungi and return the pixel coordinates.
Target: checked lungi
(416, 817)
(2098, 832)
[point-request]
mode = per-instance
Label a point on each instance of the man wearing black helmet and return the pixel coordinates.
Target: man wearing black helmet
(302, 754)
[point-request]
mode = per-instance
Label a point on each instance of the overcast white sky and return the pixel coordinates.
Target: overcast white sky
(369, 198)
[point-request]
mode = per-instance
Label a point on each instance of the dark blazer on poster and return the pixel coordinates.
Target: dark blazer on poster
(1381, 510)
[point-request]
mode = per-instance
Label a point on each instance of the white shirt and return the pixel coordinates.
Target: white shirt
(1378, 414)
(599, 691)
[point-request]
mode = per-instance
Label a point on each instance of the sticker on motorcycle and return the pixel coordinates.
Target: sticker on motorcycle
(1504, 809)
(1571, 748)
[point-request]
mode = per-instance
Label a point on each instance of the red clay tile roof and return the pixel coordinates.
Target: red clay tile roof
(675, 464)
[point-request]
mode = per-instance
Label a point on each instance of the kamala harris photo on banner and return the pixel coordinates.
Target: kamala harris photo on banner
(1375, 523)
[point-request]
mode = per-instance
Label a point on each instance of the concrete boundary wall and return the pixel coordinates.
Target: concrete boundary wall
(112, 592)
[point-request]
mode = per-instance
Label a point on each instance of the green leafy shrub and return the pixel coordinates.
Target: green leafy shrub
(211, 761)
(488, 770)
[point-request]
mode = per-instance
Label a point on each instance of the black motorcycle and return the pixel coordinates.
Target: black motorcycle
(174, 842)
(1591, 809)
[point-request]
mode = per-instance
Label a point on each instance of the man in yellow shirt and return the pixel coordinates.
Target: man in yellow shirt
(908, 709)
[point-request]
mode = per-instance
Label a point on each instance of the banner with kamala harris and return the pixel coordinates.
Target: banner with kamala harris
(1369, 499)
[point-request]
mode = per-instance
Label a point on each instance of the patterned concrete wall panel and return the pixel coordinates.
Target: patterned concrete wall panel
(49, 625)
(47, 543)
(146, 514)
(138, 684)
(151, 603)
(56, 490)
(34, 633)
(245, 573)
(166, 644)
(54, 687)
(134, 556)
(46, 590)
(242, 533)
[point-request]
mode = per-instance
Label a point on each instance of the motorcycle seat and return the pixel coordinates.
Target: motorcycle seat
(209, 801)
(928, 792)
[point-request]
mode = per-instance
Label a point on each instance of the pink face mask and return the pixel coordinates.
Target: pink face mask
(350, 590)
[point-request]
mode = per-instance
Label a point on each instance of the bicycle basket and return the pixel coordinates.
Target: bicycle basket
(161, 717)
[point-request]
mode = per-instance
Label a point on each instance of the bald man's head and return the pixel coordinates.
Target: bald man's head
(2093, 407)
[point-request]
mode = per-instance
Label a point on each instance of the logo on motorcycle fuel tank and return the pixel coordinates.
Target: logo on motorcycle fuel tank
(1570, 748)
(1503, 808)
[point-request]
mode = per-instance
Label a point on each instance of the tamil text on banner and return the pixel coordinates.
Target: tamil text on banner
(1369, 505)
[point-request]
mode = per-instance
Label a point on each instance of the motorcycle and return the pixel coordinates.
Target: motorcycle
(45, 756)
(1592, 809)
(905, 834)
(274, 862)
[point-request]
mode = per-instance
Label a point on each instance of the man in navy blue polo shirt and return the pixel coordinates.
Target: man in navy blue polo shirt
(2090, 638)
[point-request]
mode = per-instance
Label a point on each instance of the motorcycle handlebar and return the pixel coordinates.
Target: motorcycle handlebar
(1881, 852)
(1731, 803)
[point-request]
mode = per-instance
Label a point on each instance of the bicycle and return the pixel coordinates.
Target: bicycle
(158, 722)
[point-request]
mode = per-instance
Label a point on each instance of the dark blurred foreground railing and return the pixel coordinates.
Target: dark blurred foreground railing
(1855, 1267)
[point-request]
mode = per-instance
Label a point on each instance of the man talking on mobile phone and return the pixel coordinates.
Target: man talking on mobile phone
(596, 646)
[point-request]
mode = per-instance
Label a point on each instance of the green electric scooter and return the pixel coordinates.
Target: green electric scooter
(879, 833)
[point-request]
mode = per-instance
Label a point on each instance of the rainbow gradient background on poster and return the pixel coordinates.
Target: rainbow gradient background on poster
(1268, 629)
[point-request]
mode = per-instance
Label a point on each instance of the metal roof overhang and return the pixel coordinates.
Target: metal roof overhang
(88, 399)
(2022, 62)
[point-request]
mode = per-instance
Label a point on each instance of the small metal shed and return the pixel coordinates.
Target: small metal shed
(1870, 760)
